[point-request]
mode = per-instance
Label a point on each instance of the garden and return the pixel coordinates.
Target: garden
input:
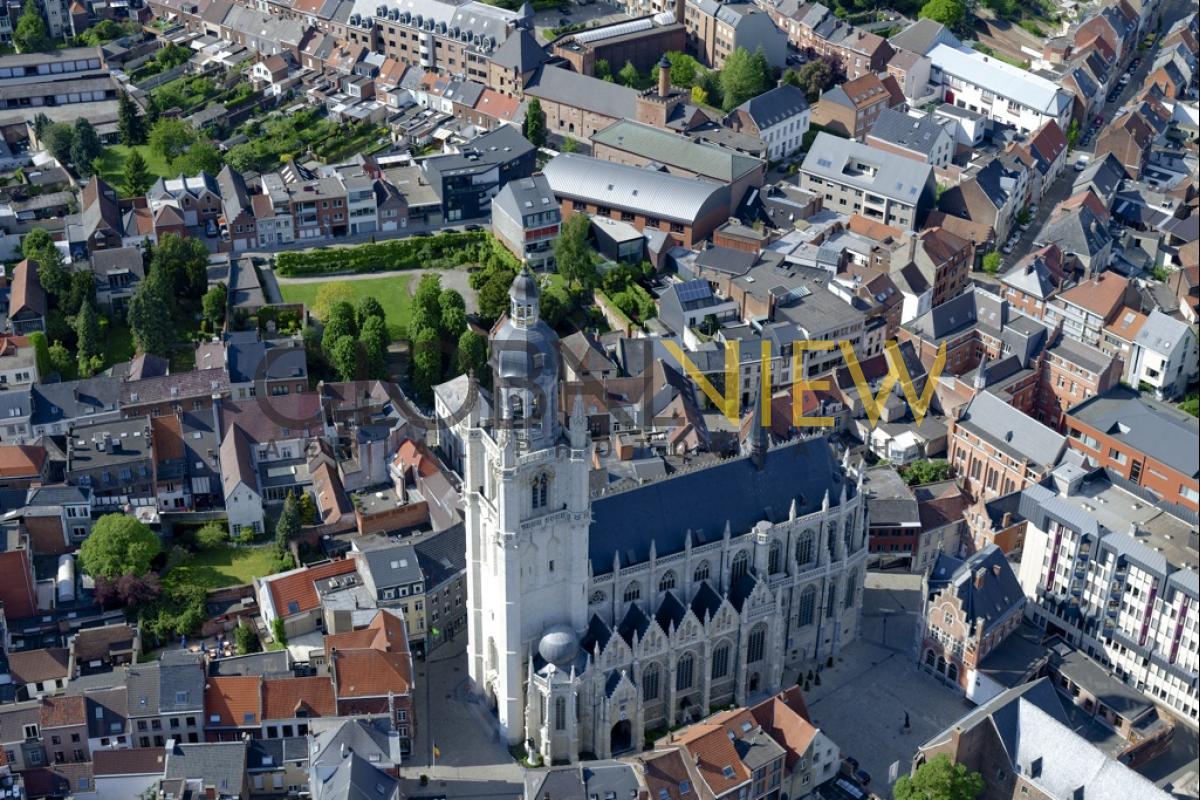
(449, 250)
(391, 292)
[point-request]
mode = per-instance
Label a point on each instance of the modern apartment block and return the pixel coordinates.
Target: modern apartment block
(999, 91)
(1113, 571)
(525, 218)
(857, 179)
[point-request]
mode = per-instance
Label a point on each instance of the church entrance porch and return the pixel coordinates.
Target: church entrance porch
(622, 737)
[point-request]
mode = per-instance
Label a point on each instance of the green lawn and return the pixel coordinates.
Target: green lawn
(392, 294)
(224, 566)
(112, 164)
(118, 344)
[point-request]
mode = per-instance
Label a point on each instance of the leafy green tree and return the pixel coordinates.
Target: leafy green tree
(344, 357)
(602, 70)
(149, 317)
(426, 362)
(699, 96)
(814, 78)
(214, 304)
(991, 263)
(1073, 133)
(948, 12)
(329, 295)
(472, 353)
(745, 75)
(939, 779)
(41, 123)
(926, 471)
(576, 261)
(340, 322)
(30, 35)
(685, 70)
(202, 156)
(374, 341)
(86, 147)
(61, 361)
(81, 288)
(246, 640)
(88, 344)
(629, 74)
(181, 262)
(453, 313)
(569, 145)
(38, 246)
(493, 294)
(153, 111)
(428, 296)
(212, 536)
(308, 509)
(368, 307)
(288, 525)
(118, 545)
(129, 121)
(279, 632)
(170, 138)
(59, 139)
(535, 123)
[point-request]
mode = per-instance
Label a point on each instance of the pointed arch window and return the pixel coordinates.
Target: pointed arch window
(741, 564)
(808, 605)
(756, 645)
(650, 683)
(667, 582)
(701, 572)
(539, 490)
(683, 672)
(720, 662)
(804, 548)
(775, 559)
(560, 713)
(633, 591)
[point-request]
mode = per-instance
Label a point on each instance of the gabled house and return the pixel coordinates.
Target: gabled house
(101, 216)
(26, 300)
(992, 196)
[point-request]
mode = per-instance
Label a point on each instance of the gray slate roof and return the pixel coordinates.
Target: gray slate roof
(1011, 431)
(900, 179)
(566, 86)
(918, 134)
(1156, 429)
(775, 105)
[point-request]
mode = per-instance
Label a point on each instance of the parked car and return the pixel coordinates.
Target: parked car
(1081, 163)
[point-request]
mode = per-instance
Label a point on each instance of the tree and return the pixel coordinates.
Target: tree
(535, 123)
(201, 156)
(629, 74)
(569, 145)
(288, 525)
(308, 509)
(427, 362)
(576, 261)
(330, 294)
(493, 294)
(427, 298)
(86, 147)
(1073, 133)
(374, 341)
(472, 353)
(181, 263)
(246, 640)
(926, 471)
(41, 123)
(368, 307)
(149, 318)
(948, 12)
(279, 632)
(939, 779)
(215, 301)
(118, 545)
(59, 139)
(344, 357)
(745, 75)
(128, 590)
(699, 96)
(602, 70)
(152, 111)
(212, 536)
(685, 70)
(340, 322)
(30, 35)
(814, 78)
(170, 138)
(61, 361)
(130, 125)
(88, 343)
(991, 263)
(39, 246)
(453, 313)
(81, 288)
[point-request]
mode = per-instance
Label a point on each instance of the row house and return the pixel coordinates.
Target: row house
(992, 196)
(997, 449)
(1045, 156)
(851, 109)
(715, 30)
(815, 30)
(197, 198)
(1084, 310)
(1116, 23)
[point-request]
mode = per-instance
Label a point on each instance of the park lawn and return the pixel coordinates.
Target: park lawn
(112, 164)
(224, 566)
(391, 292)
(118, 344)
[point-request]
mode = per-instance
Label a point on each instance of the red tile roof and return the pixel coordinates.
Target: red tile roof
(35, 666)
(372, 661)
(233, 701)
(294, 593)
(59, 712)
(288, 698)
(21, 460)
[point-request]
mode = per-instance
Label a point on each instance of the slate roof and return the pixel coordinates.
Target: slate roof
(1162, 334)
(704, 501)
(572, 89)
(1010, 430)
(1077, 231)
(998, 592)
(903, 180)
(672, 150)
(918, 134)
(520, 52)
(220, 765)
(1156, 429)
(775, 106)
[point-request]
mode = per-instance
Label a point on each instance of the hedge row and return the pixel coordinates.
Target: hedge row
(444, 251)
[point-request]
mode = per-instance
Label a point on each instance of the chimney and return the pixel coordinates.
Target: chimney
(996, 570)
(1006, 520)
(664, 76)
(979, 575)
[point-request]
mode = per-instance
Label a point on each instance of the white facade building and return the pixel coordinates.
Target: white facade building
(998, 90)
(594, 620)
(1110, 569)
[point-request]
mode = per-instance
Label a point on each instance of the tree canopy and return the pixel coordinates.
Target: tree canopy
(118, 545)
(939, 779)
(574, 256)
(950, 13)
(535, 123)
(30, 35)
(745, 75)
